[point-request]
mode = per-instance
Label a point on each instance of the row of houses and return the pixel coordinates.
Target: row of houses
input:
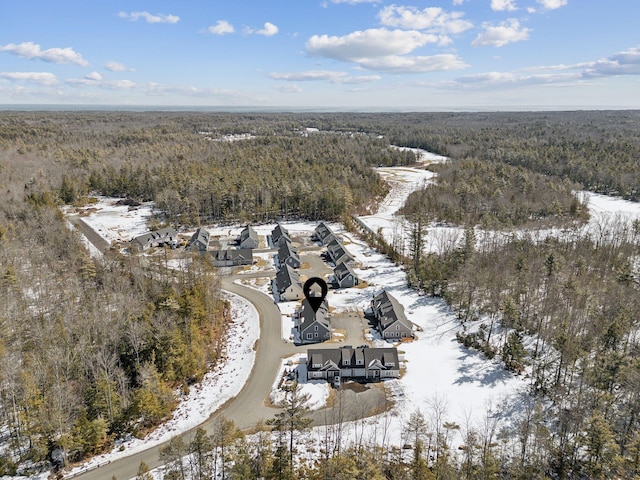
(343, 273)
(361, 363)
(232, 258)
(391, 320)
(165, 236)
(288, 284)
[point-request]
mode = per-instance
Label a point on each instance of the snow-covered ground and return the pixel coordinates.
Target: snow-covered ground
(218, 386)
(317, 391)
(115, 222)
(441, 374)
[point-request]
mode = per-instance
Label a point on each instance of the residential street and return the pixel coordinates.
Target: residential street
(250, 405)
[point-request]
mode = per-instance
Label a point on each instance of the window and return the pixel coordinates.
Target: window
(310, 335)
(316, 328)
(316, 334)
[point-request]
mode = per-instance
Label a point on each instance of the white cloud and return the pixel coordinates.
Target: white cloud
(506, 32)
(458, 2)
(417, 64)
(149, 18)
(553, 4)
(494, 80)
(433, 19)
(116, 67)
(40, 78)
(53, 55)
(623, 63)
(221, 27)
(383, 49)
(325, 75)
(289, 88)
(269, 30)
(368, 43)
(93, 76)
(92, 80)
(501, 5)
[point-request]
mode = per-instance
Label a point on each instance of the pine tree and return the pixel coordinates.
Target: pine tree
(144, 473)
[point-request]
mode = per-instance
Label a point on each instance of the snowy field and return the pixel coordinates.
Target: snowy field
(114, 222)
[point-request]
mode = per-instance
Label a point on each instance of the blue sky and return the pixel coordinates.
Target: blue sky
(337, 54)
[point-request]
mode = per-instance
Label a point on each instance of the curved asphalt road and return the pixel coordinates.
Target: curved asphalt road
(249, 406)
(246, 409)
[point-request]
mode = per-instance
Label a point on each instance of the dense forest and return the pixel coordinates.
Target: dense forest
(90, 350)
(495, 195)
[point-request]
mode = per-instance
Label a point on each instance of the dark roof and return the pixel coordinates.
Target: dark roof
(228, 255)
(308, 317)
(322, 231)
(157, 236)
(286, 277)
(371, 357)
(342, 270)
(389, 310)
(287, 250)
(278, 232)
(201, 236)
(248, 232)
(339, 253)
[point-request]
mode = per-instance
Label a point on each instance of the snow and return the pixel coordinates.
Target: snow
(317, 391)
(114, 222)
(219, 385)
(440, 374)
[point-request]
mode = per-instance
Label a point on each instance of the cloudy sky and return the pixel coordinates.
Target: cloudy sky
(350, 54)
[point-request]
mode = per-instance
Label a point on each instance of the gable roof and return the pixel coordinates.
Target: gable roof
(342, 270)
(286, 277)
(232, 255)
(167, 233)
(322, 232)
(371, 358)
(286, 250)
(389, 311)
(248, 232)
(201, 236)
(308, 317)
(278, 232)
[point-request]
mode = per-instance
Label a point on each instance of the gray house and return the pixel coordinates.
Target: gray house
(345, 276)
(279, 235)
(164, 236)
(389, 313)
(339, 254)
(288, 284)
(248, 238)
(199, 241)
(232, 258)
(313, 327)
(322, 233)
(288, 255)
(360, 363)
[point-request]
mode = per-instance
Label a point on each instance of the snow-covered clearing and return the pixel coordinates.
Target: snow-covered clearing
(113, 222)
(219, 385)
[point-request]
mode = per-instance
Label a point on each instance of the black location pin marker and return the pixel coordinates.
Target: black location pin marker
(312, 297)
